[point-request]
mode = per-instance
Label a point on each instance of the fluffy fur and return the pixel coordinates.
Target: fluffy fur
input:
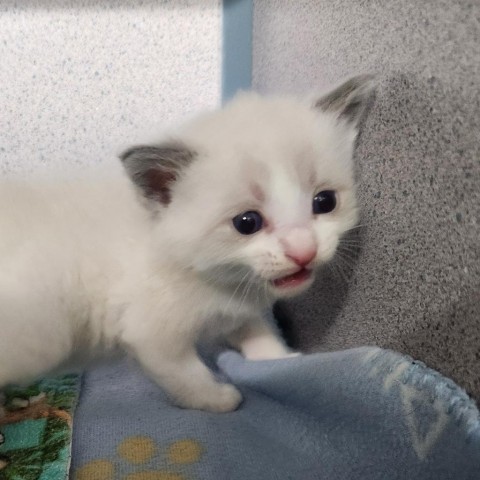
(146, 256)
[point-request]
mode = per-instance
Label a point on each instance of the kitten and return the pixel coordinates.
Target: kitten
(192, 239)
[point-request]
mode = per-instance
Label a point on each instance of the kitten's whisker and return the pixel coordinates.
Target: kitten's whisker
(249, 284)
(345, 274)
(351, 245)
(352, 253)
(343, 256)
(360, 225)
(265, 291)
(243, 295)
(346, 263)
(236, 289)
(350, 241)
(261, 293)
(334, 268)
(221, 274)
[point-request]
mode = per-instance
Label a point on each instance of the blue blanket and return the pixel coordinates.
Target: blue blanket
(364, 413)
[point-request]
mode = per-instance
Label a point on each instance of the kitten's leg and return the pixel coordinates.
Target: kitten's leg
(258, 340)
(170, 357)
(188, 381)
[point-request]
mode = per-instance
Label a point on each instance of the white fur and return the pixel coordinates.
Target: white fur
(85, 265)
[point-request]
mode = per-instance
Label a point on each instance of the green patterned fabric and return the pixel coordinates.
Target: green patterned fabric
(36, 429)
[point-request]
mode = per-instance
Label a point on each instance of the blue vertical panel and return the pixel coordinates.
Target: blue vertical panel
(237, 47)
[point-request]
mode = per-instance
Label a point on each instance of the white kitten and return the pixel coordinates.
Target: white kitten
(234, 212)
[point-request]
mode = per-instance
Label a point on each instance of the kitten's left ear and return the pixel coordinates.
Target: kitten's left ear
(155, 168)
(349, 101)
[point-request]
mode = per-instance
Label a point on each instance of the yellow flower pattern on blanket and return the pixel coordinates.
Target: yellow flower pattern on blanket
(138, 451)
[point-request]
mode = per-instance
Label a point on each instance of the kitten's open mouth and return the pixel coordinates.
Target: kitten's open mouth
(293, 280)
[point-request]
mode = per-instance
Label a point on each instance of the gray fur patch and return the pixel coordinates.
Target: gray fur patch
(350, 99)
(155, 168)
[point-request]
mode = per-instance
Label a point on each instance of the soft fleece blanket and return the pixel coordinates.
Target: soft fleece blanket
(364, 413)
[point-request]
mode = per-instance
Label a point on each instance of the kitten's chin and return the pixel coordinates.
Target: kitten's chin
(292, 285)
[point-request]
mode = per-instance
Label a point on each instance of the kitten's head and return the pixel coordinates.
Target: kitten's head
(260, 190)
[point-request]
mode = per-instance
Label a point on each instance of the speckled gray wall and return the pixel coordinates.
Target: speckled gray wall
(79, 78)
(415, 284)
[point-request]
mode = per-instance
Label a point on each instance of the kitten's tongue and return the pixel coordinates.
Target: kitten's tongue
(293, 280)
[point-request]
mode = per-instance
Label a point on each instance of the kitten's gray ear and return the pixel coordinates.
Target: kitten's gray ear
(350, 99)
(155, 168)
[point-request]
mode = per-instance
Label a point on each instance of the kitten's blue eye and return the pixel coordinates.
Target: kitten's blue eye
(248, 222)
(324, 202)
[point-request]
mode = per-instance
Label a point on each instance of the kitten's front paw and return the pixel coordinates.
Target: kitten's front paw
(221, 399)
(292, 354)
(272, 352)
(265, 347)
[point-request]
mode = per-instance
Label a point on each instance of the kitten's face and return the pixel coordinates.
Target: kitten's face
(275, 198)
(266, 197)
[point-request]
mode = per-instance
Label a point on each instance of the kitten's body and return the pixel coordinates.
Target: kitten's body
(90, 264)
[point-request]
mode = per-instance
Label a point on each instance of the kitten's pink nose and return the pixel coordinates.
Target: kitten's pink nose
(303, 258)
(300, 246)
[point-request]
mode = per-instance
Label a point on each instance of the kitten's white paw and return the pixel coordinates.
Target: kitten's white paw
(221, 399)
(229, 398)
(292, 354)
(270, 354)
(265, 347)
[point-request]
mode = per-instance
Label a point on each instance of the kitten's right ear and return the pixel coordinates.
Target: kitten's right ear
(349, 101)
(155, 168)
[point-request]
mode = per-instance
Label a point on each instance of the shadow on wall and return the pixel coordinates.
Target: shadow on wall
(330, 288)
(333, 280)
(416, 286)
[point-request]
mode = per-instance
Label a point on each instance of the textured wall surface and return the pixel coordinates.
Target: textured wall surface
(79, 78)
(414, 285)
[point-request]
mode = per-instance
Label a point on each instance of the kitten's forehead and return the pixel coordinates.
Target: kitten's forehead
(288, 198)
(267, 178)
(268, 151)
(281, 190)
